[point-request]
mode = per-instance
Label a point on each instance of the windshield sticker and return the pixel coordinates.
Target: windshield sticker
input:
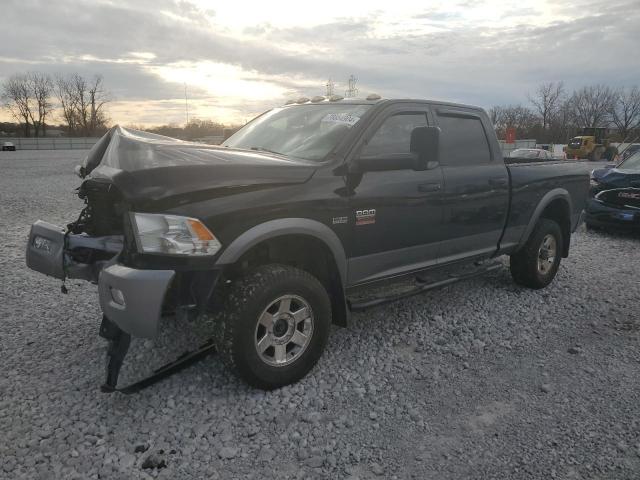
(341, 118)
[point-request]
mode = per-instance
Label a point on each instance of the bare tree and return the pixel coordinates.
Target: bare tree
(66, 97)
(546, 100)
(562, 127)
(625, 110)
(97, 99)
(41, 87)
(18, 100)
(82, 103)
(495, 114)
(592, 105)
(514, 116)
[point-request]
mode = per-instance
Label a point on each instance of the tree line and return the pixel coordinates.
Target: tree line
(554, 115)
(194, 130)
(34, 98)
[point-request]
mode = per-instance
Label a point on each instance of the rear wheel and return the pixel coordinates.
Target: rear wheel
(536, 264)
(596, 154)
(274, 326)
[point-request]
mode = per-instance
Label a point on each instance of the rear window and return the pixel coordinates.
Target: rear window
(463, 141)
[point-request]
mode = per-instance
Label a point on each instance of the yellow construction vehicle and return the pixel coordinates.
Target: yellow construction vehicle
(590, 144)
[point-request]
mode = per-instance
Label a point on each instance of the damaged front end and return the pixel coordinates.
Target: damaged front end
(100, 247)
(84, 247)
(135, 237)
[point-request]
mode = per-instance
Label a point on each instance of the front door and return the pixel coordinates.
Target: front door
(395, 214)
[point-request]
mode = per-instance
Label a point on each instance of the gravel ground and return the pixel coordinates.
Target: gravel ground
(482, 379)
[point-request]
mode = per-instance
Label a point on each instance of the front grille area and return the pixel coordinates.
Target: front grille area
(104, 210)
(621, 197)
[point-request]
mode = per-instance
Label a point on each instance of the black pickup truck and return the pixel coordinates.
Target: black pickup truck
(269, 235)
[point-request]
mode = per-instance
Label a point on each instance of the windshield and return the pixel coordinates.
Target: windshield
(304, 131)
(523, 153)
(630, 150)
(631, 163)
(575, 142)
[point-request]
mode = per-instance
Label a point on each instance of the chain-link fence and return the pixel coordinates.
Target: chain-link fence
(51, 143)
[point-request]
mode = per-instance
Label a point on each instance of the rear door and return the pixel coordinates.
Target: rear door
(476, 185)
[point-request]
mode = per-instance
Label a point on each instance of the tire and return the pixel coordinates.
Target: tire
(256, 315)
(528, 265)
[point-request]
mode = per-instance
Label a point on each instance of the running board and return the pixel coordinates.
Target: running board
(423, 287)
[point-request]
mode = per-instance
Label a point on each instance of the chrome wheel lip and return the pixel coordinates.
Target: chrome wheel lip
(547, 254)
(282, 350)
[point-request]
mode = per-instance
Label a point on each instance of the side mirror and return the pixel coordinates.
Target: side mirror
(425, 142)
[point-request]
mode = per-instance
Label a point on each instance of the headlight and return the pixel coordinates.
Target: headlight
(173, 235)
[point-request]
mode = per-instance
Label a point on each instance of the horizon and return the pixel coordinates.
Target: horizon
(236, 62)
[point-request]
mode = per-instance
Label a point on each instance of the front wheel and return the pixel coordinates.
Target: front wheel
(536, 264)
(274, 326)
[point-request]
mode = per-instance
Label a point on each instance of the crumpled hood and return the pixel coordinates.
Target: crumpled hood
(147, 168)
(617, 178)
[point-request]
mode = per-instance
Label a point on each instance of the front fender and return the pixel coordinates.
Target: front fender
(297, 226)
(286, 226)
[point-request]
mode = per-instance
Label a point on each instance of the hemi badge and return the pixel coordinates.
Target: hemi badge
(366, 217)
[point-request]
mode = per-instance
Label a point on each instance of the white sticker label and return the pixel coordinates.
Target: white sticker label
(341, 118)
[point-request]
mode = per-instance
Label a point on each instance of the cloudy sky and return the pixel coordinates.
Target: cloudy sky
(240, 58)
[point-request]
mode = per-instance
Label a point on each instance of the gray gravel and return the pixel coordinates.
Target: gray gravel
(482, 379)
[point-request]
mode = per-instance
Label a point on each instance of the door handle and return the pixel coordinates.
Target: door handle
(429, 187)
(498, 182)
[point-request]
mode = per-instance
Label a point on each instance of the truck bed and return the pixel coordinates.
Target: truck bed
(531, 181)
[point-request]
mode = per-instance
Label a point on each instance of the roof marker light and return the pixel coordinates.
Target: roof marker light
(335, 98)
(373, 96)
(317, 98)
(302, 100)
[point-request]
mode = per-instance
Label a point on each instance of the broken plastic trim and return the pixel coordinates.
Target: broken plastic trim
(119, 342)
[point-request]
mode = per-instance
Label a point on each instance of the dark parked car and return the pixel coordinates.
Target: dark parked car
(615, 196)
(8, 147)
(270, 235)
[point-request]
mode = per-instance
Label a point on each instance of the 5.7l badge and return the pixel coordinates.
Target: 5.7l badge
(366, 217)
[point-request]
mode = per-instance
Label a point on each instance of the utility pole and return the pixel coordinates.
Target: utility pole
(329, 86)
(186, 103)
(352, 91)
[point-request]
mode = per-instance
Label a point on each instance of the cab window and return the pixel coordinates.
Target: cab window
(462, 141)
(394, 135)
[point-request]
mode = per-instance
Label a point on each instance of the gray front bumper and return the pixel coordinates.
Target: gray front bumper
(143, 293)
